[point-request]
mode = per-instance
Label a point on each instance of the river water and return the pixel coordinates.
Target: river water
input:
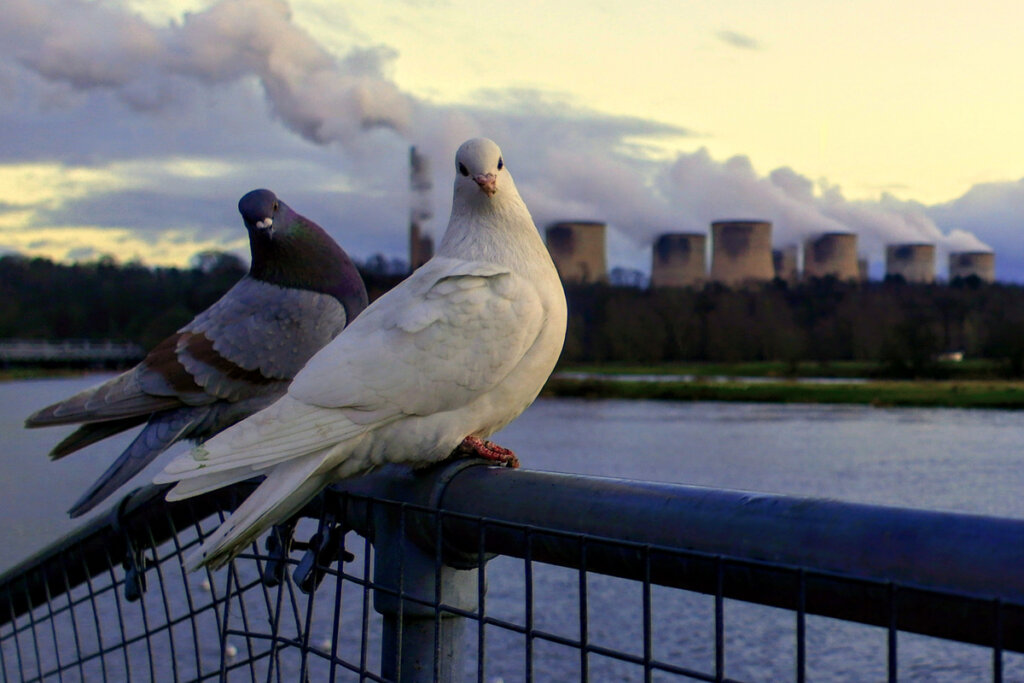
(962, 460)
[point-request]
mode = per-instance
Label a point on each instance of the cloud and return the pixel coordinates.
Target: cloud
(93, 46)
(643, 199)
(86, 242)
(992, 211)
(151, 133)
(738, 40)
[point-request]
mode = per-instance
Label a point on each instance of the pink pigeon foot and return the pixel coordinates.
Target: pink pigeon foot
(488, 450)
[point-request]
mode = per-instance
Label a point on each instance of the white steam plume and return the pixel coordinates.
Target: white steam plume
(569, 165)
(96, 46)
(693, 190)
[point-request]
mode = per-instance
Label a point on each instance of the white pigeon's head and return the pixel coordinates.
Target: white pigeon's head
(480, 171)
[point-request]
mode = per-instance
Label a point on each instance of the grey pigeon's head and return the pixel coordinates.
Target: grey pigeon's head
(260, 209)
(290, 250)
(480, 172)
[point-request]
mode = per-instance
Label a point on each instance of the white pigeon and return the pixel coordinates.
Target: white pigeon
(442, 361)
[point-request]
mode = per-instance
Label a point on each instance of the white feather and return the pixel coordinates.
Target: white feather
(283, 492)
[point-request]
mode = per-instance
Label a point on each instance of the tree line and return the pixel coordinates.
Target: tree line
(103, 299)
(902, 327)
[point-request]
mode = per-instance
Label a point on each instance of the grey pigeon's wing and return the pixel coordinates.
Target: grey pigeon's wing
(255, 337)
(162, 430)
(449, 333)
(226, 363)
(252, 341)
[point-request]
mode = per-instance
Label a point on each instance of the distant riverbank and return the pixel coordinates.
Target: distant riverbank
(748, 382)
(769, 383)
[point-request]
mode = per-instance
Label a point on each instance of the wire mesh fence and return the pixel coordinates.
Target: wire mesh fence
(422, 580)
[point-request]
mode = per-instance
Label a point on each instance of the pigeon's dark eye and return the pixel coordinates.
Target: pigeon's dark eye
(463, 170)
(501, 163)
(275, 207)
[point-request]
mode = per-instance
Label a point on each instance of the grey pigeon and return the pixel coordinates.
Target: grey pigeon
(235, 358)
(442, 361)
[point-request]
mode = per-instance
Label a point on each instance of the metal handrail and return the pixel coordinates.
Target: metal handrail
(976, 558)
(950, 575)
(958, 575)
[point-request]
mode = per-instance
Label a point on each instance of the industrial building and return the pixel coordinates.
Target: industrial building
(421, 245)
(785, 262)
(831, 254)
(578, 250)
(741, 252)
(678, 260)
(913, 262)
(981, 264)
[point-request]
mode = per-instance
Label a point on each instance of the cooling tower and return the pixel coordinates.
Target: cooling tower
(784, 262)
(678, 260)
(741, 252)
(914, 262)
(832, 254)
(577, 248)
(967, 263)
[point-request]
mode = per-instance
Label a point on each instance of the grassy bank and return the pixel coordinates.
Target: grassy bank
(959, 393)
(975, 369)
(9, 374)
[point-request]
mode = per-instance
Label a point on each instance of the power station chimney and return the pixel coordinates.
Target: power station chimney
(421, 245)
(831, 254)
(784, 261)
(741, 252)
(981, 264)
(678, 260)
(578, 250)
(913, 262)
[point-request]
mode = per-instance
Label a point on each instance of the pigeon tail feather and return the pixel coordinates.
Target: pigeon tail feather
(163, 430)
(196, 486)
(281, 494)
(93, 432)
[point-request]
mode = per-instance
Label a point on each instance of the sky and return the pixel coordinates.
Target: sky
(132, 127)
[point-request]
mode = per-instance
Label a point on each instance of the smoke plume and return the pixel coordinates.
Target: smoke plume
(570, 163)
(89, 45)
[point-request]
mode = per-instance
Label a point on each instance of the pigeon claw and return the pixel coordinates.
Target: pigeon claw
(488, 450)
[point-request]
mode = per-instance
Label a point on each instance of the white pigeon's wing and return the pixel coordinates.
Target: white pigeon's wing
(450, 332)
(287, 429)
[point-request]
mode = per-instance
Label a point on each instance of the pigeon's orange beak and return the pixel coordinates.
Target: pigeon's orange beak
(487, 183)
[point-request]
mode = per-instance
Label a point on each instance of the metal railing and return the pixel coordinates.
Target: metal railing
(469, 572)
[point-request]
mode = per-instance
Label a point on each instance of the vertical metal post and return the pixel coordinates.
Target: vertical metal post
(419, 643)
